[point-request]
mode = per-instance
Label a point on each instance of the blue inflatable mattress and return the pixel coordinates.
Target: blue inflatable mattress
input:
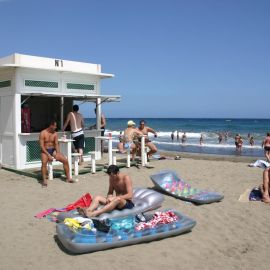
(167, 181)
(85, 241)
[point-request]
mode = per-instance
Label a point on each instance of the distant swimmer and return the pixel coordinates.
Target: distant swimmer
(251, 141)
(201, 139)
(236, 138)
(172, 136)
(177, 136)
(240, 143)
(220, 138)
(266, 146)
(226, 135)
(184, 138)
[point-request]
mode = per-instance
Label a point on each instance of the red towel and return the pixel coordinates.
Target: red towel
(83, 202)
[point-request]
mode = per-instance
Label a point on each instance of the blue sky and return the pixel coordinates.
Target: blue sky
(174, 58)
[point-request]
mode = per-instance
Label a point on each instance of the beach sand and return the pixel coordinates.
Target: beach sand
(228, 235)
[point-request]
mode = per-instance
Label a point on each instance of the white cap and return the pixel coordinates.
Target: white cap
(130, 123)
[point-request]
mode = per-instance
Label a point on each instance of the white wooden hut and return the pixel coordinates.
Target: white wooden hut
(49, 87)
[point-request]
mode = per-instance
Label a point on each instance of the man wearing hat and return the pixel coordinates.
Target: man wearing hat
(129, 136)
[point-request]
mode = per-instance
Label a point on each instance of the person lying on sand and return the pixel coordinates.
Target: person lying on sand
(119, 183)
(265, 188)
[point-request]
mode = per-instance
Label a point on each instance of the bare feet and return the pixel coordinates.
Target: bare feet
(266, 199)
(70, 181)
(44, 185)
(82, 212)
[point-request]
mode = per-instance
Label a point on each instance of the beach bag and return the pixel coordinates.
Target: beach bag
(101, 225)
(83, 202)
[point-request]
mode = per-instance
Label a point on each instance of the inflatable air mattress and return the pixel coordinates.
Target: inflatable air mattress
(168, 182)
(144, 200)
(82, 241)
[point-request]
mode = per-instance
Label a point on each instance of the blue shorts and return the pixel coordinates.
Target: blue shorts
(128, 145)
(50, 151)
(129, 205)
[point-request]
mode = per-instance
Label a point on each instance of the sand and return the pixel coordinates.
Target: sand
(228, 235)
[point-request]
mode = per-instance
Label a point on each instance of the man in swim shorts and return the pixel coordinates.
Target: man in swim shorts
(48, 141)
(129, 138)
(266, 145)
(144, 129)
(75, 119)
(119, 183)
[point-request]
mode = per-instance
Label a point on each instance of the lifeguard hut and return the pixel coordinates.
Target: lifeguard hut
(34, 90)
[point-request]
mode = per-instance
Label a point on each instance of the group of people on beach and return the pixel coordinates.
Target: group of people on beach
(50, 151)
(120, 185)
(131, 139)
(183, 137)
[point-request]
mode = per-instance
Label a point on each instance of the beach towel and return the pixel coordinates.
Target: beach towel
(52, 213)
(44, 213)
(260, 163)
(83, 202)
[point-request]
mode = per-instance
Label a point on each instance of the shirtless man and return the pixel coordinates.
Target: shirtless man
(266, 145)
(129, 137)
(266, 186)
(184, 138)
(144, 129)
(119, 183)
(236, 141)
(48, 141)
(75, 119)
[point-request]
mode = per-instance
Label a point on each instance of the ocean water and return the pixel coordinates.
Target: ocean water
(194, 127)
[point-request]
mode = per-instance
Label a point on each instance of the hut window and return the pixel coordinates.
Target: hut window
(43, 84)
(5, 84)
(80, 86)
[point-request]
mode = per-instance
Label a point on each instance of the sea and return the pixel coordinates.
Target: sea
(210, 128)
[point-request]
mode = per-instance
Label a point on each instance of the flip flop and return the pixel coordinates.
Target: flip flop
(44, 185)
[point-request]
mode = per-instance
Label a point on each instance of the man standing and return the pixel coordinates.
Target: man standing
(75, 119)
(119, 183)
(144, 129)
(48, 141)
